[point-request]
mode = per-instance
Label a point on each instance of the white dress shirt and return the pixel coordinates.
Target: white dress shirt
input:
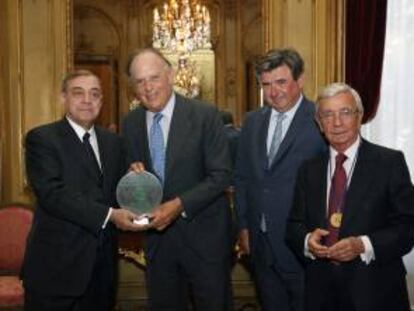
(165, 121)
(289, 115)
(349, 166)
(80, 132)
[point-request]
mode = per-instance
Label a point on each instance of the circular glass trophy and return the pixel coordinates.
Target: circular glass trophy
(139, 193)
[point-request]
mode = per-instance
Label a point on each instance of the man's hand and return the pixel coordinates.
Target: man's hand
(124, 220)
(243, 243)
(165, 214)
(314, 243)
(346, 249)
(137, 167)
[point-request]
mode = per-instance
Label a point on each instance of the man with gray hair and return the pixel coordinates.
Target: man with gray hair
(352, 214)
(73, 167)
(274, 141)
(188, 243)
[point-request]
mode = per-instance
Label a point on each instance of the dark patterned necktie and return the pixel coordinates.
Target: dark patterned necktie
(336, 200)
(93, 162)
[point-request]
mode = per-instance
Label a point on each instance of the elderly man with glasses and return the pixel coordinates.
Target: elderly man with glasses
(352, 215)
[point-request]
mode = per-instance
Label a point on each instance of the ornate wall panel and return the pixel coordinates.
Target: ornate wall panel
(315, 29)
(35, 47)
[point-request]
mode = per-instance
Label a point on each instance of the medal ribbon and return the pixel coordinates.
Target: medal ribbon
(336, 199)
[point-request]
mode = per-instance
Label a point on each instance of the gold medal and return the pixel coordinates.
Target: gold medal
(336, 219)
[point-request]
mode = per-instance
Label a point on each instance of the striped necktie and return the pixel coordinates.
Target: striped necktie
(276, 139)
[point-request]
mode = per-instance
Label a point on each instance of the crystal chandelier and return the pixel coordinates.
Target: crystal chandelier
(186, 78)
(182, 27)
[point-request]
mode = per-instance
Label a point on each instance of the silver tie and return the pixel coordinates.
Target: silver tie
(276, 139)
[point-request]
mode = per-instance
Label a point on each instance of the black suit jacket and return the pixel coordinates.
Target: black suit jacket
(197, 170)
(260, 189)
(71, 207)
(380, 204)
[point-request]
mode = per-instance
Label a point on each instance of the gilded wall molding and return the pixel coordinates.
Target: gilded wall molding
(36, 48)
(12, 99)
(318, 36)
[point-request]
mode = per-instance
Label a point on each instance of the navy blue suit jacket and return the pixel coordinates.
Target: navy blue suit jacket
(260, 189)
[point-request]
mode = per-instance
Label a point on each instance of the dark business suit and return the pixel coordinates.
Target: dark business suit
(379, 203)
(197, 170)
(262, 190)
(67, 249)
(232, 133)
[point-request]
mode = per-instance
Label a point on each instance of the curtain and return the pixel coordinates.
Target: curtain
(393, 125)
(365, 35)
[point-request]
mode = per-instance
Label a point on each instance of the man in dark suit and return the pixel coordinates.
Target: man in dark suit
(188, 241)
(352, 215)
(274, 141)
(73, 168)
(232, 133)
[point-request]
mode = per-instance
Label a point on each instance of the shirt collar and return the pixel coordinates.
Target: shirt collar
(79, 130)
(291, 112)
(350, 152)
(168, 109)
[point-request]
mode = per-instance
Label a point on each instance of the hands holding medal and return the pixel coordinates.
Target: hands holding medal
(344, 250)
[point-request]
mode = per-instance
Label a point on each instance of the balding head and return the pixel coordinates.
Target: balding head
(152, 78)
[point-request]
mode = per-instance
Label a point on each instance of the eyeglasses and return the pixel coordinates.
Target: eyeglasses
(343, 114)
(80, 94)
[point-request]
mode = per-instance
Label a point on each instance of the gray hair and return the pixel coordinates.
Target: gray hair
(71, 75)
(334, 89)
(279, 57)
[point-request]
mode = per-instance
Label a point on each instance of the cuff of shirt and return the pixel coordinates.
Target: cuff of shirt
(368, 254)
(306, 251)
(107, 218)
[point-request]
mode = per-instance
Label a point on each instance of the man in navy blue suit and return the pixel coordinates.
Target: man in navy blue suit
(274, 141)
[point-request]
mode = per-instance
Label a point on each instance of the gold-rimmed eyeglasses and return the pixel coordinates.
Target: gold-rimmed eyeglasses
(343, 114)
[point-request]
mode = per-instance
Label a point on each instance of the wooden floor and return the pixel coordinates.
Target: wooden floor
(240, 304)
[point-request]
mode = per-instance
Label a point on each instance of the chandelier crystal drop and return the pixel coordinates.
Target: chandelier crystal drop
(181, 27)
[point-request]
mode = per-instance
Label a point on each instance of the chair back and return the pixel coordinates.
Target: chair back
(15, 224)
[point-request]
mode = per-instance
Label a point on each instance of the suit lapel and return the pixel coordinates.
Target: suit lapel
(179, 128)
(320, 204)
(74, 146)
(292, 132)
(104, 154)
(263, 129)
(140, 135)
(360, 180)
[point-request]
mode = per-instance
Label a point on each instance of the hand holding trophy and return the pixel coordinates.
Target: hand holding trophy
(140, 193)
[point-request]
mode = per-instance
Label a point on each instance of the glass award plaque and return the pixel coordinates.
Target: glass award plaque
(140, 193)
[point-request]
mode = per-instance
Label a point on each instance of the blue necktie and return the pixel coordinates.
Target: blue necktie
(157, 147)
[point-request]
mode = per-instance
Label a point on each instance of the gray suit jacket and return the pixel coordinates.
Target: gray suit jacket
(260, 189)
(197, 170)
